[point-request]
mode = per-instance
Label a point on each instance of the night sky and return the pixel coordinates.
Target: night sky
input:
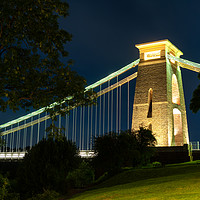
(105, 33)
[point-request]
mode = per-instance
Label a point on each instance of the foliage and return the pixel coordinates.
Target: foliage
(157, 164)
(47, 164)
(5, 190)
(195, 101)
(4, 186)
(32, 49)
(47, 195)
(145, 139)
(81, 177)
(107, 158)
(127, 149)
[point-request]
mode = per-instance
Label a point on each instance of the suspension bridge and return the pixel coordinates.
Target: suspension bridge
(125, 99)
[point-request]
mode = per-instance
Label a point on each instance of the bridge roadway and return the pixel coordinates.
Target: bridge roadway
(20, 155)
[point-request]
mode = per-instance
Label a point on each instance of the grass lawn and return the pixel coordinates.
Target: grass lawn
(171, 182)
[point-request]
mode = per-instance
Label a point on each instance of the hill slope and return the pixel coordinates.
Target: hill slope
(172, 182)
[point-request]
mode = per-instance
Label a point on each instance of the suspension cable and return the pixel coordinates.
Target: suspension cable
(91, 138)
(111, 118)
(81, 109)
(24, 138)
(66, 125)
(108, 107)
(12, 142)
(104, 114)
(96, 121)
(6, 139)
(83, 135)
(45, 126)
(59, 119)
(120, 100)
(88, 127)
(38, 136)
(19, 140)
(31, 138)
(100, 112)
(75, 124)
(117, 110)
(128, 118)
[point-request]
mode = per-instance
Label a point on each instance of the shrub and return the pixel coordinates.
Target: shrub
(4, 186)
(108, 155)
(157, 164)
(46, 166)
(5, 190)
(145, 140)
(129, 149)
(81, 177)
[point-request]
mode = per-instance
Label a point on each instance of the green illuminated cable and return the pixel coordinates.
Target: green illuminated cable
(107, 78)
(191, 65)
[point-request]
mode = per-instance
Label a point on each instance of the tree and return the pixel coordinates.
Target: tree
(145, 139)
(128, 149)
(82, 176)
(47, 164)
(32, 73)
(107, 157)
(195, 101)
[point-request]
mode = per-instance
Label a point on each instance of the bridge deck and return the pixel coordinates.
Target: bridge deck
(20, 155)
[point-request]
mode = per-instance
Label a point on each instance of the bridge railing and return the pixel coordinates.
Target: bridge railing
(195, 145)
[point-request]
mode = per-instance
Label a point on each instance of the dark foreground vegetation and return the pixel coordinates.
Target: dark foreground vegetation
(53, 167)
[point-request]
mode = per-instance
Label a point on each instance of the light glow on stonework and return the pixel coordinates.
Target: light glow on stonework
(178, 130)
(176, 111)
(152, 43)
(172, 60)
(175, 90)
(152, 55)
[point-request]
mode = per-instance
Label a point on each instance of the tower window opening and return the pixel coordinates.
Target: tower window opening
(175, 90)
(150, 96)
(178, 130)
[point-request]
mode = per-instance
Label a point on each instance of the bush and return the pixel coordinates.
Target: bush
(145, 140)
(108, 158)
(157, 164)
(46, 166)
(129, 149)
(5, 190)
(81, 177)
(4, 186)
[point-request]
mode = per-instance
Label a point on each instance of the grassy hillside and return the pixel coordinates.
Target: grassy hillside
(170, 182)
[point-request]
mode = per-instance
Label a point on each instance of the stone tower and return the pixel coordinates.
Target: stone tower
(159, 99)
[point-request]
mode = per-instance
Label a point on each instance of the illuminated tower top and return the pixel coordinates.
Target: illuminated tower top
(157, 50)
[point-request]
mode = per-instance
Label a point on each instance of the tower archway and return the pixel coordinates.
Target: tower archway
(175, 90)
(178, 130)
